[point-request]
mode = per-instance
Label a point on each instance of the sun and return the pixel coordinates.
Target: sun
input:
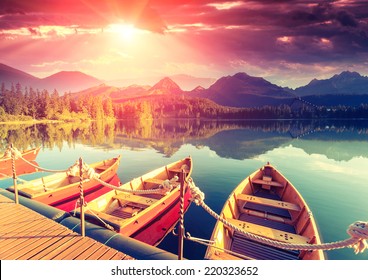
(125, 31)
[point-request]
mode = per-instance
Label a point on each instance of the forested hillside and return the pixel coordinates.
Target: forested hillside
(17, 103)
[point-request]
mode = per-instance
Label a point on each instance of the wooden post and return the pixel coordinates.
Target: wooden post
(81, 197)
(16, 197)
(181, 222)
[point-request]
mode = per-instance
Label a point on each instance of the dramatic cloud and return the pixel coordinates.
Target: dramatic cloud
(288, 42)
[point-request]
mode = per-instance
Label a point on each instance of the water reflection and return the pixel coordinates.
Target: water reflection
(326, 161)
(228, 139)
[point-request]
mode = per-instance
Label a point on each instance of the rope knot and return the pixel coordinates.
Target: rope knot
(74, 169)
(90, 172)
(197, 196)
(359, 231)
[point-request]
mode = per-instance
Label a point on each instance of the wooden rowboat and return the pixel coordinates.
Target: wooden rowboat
(147, 217)
(268, 205)
(61, 190)
(21, 167)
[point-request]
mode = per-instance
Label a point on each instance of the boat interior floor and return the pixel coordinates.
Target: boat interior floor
(257, 250)
(260, 251)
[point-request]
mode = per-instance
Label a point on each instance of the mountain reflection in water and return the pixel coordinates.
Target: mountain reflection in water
(326, 161)
(228, 139)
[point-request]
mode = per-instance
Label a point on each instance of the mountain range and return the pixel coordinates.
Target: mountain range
(65, 81)
(239, 90)
(345, 83)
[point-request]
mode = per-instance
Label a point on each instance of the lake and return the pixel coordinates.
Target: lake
(326, 160)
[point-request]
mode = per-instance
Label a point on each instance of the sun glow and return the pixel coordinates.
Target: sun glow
(126, 31)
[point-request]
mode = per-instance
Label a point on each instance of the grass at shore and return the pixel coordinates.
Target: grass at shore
(30, 122)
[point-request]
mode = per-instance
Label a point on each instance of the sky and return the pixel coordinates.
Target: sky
(288, 42)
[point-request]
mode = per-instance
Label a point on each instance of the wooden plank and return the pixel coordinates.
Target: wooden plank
(269, 232)
(44, 243)
(127, 197)
(25, 234)
(103, 167)
(12, 239)
(98, 253)
(108, 255)
(19, 225)
(121, 256)
(17, 245)
(46, 252)
(73, 250)
(85, 255)
(154, 181)
(178, 170)
(72, 242)
(268, 202)
(269, 183)
(14, 214)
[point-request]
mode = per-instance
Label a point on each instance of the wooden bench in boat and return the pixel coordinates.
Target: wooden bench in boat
(268, 183)
(178, 170)
(102, 167)
(154, 181)
(271, 233)
(268, 202)
(128, 197)
(159, 182)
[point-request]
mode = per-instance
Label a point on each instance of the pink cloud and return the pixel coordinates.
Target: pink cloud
(220, 36)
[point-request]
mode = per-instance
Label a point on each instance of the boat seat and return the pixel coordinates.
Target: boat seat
(154, 181)
(276, 224)
(268, 202)
(102, 167)
(263, 208)
(271, 233)
(267, 182)
(125, 198)
(158, 182)
(178, 170)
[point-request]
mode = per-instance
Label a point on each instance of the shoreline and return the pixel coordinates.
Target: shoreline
(31, 122)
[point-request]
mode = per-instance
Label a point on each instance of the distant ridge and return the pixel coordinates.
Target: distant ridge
(10, 75)
(345, 83)
(69, 81)
(63, 81)
(165, 86)
(242, 90)
(239, 90)
(188, 83)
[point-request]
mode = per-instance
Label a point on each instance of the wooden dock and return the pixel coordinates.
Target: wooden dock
(27, 235)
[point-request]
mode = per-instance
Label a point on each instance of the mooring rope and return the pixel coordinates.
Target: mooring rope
(211, 243)
(101, 220)
(358, 231)
(127, 190)
(166, 185)
(17, 154)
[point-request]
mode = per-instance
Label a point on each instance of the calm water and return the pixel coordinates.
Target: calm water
(326, 161)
